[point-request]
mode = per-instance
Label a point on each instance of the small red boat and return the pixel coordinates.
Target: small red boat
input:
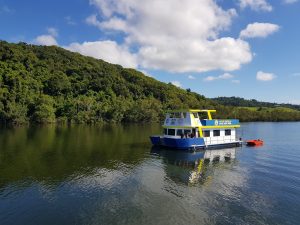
(257, 142)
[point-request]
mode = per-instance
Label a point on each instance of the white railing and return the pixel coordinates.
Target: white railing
(219, 140)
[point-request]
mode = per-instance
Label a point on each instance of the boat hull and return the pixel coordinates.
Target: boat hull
(188, 143)
(178, 143)
(254, 142)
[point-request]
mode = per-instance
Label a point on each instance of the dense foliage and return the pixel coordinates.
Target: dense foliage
(50, 84)
(46, 84)
(236, 101)
(253, 110)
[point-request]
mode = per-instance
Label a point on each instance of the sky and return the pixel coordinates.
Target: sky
(244, 48)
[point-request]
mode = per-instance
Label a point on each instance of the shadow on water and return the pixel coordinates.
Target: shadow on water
(191, 167)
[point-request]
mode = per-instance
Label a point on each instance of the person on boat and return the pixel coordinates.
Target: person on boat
(189, 134)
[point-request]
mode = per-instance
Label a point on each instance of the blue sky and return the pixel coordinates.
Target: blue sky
(245, 48)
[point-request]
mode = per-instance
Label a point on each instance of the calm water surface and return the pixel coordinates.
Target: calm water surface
(111, 175)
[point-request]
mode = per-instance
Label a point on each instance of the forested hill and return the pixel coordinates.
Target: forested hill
(236, 101)
(49, 84)
(46, 84)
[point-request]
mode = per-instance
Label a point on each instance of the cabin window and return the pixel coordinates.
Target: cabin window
(187, 131)
(175, 115)
(179, 132)
(227, 132)
(203, 115)
(216, 133)
(206, 133)
(171, 132)
(195, 115)
(194, 132)
(165, 131)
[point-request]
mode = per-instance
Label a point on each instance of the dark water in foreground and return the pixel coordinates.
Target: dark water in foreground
(110, 175)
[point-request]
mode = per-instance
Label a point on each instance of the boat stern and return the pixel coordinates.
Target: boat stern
(155, 140)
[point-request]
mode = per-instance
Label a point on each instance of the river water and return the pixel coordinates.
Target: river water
(111, 175)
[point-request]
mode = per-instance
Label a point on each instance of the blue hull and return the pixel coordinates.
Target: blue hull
(178, 143)
(188, 143)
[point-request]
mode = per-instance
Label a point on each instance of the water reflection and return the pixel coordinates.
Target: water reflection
(105, 175)
(190, 167)
(52, 154)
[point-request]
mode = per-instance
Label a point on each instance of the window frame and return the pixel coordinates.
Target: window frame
(179, 134)
(216, 133)
(186, 131)
(226, 132)
(172, 132)
(205, 132)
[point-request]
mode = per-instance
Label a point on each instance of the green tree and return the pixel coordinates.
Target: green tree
(43, 110)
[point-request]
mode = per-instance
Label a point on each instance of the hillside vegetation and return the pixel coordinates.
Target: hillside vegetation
(46, 84)
(253, 110)
(236, 101)
(43, 84)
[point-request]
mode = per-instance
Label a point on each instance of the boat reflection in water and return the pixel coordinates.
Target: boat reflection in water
(191, 167)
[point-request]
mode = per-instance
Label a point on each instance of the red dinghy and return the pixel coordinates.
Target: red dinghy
(257, 142)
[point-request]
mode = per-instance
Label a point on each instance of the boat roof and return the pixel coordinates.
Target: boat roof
(192, 121)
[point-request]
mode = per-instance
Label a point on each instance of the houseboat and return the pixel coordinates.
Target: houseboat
(196, 129)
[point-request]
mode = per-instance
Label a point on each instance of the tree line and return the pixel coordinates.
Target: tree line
(237, 101)
(48, 84)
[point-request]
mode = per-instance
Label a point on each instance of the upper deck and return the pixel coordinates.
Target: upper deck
(197, 118)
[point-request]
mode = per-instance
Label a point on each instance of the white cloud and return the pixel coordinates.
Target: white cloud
(294, 101)
(52, 31)
(172, 36)
(145, 73)
(176, 83)
(289, 1)
(256, 5)
(210, 78)
(191, 77)
(45, 39)
(109, 51)
(197, 56)
(259, 30)
(70, 21)
(113, 23)
(236, 81)
(224, 76)
(92, 20)
(262, 76)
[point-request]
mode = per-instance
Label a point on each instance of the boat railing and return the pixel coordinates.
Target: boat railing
(219, 140)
